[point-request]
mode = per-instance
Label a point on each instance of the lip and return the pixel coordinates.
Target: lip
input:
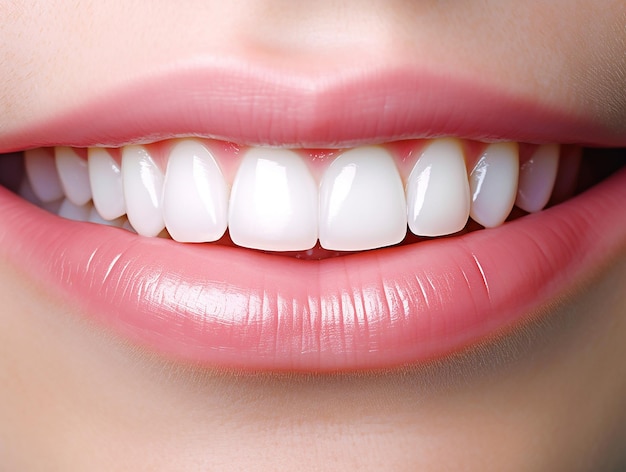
(231, 307)
(263, 106)
(236, 308)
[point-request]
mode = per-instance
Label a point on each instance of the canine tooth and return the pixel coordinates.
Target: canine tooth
(105, 177)
(143, 190)
(493, 184)
(362, 204)
(73, 174)
(274, 202)
(195, 195)
(537, 177)
(70, 211)
(438, 197)
(43, 176)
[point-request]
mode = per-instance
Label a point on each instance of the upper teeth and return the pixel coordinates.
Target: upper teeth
(275, 201)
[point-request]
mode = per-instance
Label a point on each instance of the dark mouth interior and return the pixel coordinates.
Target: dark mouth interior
(597, 164)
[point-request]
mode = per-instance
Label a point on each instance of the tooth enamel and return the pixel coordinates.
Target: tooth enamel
(274, 202)
(73, 174)
(42, 173)
(195, 195)
(362, 204)
(493, 184)
(537, 177)
(26, 192)
(105, 177)
(71, 211)
(94, 217)
(143, 190)
(438, 196)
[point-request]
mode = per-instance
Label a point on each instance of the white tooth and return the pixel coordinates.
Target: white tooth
(42, 173)
(73, 174)
(105, 177)
(195, 195)
(493, 184)
(27, 193)
(143, 190)
(438, 197)
(71, 211)
(274, 202)
(94, 217)
(362, 204)
(537, 177)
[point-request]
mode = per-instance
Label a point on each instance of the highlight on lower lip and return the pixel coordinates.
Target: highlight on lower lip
(229, 307)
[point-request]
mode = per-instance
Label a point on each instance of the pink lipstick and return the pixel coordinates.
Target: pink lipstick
(259, 106)
(233, 307)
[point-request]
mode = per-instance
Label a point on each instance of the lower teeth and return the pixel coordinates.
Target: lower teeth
(361, 193)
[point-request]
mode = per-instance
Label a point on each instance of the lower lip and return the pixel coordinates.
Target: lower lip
(236, 308)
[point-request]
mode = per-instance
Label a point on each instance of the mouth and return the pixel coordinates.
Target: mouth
(315, 244)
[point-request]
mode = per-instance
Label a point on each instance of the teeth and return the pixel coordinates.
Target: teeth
(493, 184)
(438, 196)
(537, 177)
(195, 195)
(94, 217)
(105, 176)
(362, 204)
(73, 174)
(42, 173)
(143, 190)
(69, 210)
(26, 192)
(274, 202)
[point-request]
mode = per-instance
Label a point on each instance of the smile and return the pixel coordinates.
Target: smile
(377, 288)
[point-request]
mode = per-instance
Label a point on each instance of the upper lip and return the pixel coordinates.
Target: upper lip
(260, 106)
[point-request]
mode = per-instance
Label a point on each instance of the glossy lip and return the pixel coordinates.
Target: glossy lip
(258, 106)
(232, 307)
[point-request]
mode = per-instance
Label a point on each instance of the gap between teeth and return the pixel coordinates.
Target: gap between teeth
(274, 199)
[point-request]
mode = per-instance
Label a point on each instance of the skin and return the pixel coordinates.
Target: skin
(551, 395)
